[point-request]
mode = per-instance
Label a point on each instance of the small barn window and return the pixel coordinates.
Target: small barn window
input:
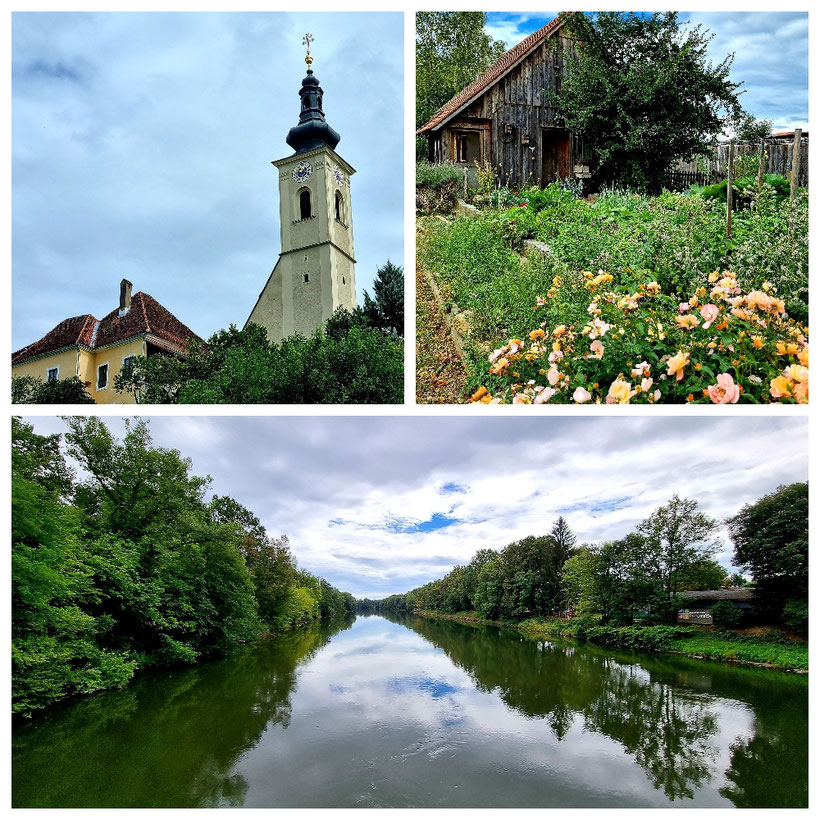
(304, 205)
(339, 209)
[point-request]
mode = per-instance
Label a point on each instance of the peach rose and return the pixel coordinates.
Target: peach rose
(544, 395)
(780, 388)
(676, 364)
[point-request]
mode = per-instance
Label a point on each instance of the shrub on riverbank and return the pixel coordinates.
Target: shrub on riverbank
(770, 648)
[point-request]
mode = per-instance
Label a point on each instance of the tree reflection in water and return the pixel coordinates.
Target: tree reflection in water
(176, 734)
(659, 710)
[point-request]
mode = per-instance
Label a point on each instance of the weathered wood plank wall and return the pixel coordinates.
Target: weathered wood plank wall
(519, 100)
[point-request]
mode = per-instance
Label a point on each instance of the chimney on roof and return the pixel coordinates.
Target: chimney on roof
(125, 297)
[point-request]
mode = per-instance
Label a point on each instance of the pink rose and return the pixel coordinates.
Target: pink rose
(725, 391)
(545, 395)
(580, 395)
(710, 313)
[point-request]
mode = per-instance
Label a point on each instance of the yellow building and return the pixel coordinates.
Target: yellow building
(95, 350)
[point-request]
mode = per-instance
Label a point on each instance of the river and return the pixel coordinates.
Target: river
(414, 712)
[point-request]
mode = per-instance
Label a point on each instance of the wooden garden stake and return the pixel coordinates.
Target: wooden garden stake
(761, 165)
(729, 175)
(795, 162)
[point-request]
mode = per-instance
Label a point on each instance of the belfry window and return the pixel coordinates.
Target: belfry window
(304, 205)
(339, 210)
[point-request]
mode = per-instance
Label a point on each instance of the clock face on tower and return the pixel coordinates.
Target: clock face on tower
(302, 171)
(338, 175)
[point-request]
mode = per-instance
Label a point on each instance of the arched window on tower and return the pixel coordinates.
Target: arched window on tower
(304, 205)
(339, 209)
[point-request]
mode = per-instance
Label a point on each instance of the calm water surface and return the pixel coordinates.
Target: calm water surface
(424, 713)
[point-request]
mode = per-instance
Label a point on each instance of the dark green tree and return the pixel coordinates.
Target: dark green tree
(30, 390)
(750, 129)
(771, 541)
(641, 92)
(704, 573)
(348, 362)
(386, 311)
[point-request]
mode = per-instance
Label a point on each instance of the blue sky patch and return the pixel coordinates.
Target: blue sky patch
(451, 487)
(437, 522)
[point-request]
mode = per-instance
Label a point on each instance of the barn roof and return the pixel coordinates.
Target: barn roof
(146, 317)
(494, 73)
(733, 594)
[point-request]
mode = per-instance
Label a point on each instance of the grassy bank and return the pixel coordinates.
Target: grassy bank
(768, 648)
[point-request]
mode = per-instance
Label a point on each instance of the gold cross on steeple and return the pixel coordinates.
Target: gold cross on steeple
(306, 41)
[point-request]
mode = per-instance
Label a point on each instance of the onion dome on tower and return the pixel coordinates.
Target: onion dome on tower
(313, 130)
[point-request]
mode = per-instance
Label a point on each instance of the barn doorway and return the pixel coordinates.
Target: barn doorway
(554, 155)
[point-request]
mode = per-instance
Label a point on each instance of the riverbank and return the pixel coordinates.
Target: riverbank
(769, 649)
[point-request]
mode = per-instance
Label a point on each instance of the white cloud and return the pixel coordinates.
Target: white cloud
(336, 486)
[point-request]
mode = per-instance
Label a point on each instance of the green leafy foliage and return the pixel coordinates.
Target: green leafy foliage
(616, 93)
(30, 390)
(452, 49)
(725, 613)
(771, 541)
(131, 567)
(348, 362)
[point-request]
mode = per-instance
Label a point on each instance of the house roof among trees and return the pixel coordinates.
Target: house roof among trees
(494, 73)
(145, 317)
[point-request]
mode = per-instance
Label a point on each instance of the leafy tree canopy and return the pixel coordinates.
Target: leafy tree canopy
(641, 92)
(348, 362)
(30, 390)
(771, 541)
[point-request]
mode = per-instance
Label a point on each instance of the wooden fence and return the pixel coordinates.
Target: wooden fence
(713, 168)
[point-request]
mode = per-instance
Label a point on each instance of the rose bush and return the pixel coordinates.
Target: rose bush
(629, 342)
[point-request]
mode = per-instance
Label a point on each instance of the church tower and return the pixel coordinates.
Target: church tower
(315, 272)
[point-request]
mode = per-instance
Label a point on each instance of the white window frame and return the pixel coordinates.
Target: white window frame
(106, 365)
(49, 369)
(126, 358)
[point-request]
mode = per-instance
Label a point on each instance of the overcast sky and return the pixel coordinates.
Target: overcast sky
(771, 55)
(141, 148)
(381, 505)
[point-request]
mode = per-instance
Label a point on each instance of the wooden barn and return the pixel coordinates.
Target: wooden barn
(504, 116)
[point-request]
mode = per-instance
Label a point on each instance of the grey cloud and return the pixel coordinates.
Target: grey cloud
(318, 479)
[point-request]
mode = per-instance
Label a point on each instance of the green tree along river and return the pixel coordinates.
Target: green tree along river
(414, 712)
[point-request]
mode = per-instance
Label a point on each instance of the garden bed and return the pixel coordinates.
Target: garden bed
(637, 299)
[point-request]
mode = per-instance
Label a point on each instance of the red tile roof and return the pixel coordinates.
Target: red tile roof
(145, 317)
(506, 61)
(78, 330)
